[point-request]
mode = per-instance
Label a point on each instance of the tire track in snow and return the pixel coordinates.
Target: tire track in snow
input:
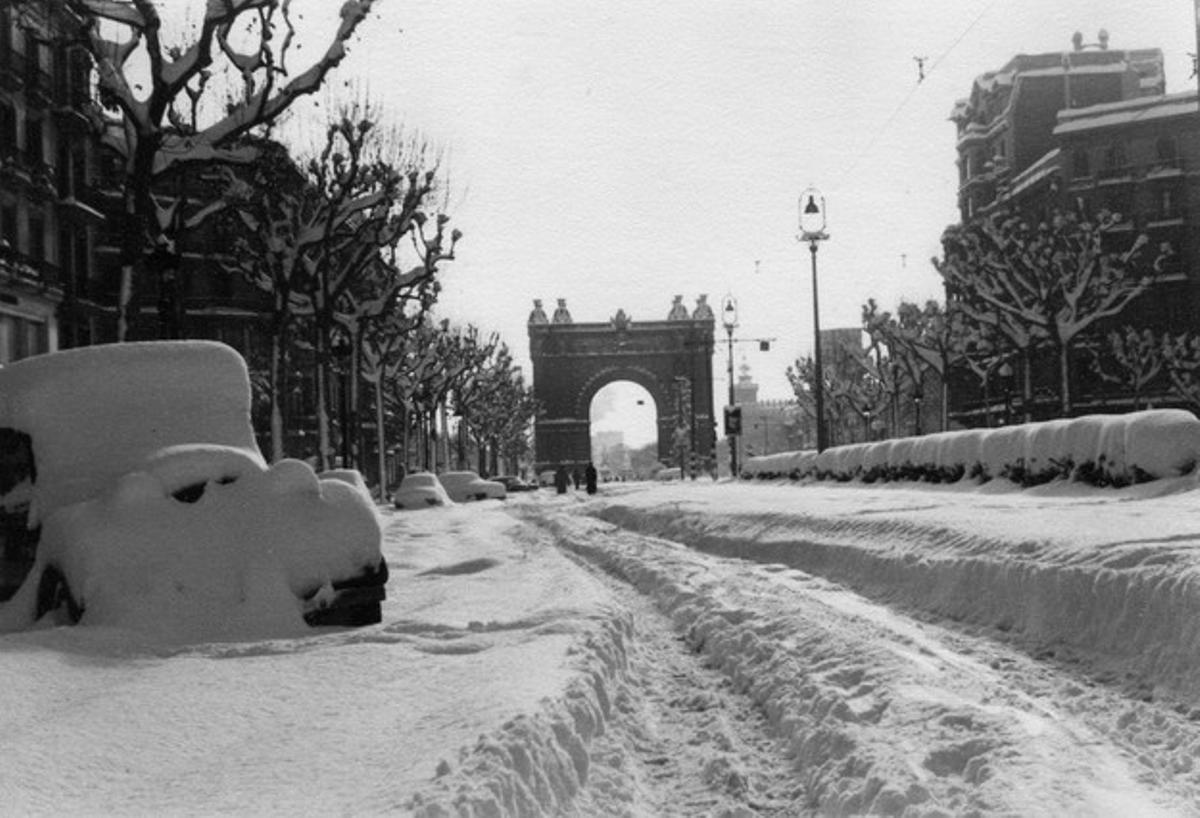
(879, 716)
(681, 739)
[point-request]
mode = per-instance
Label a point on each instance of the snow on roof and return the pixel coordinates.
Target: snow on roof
(96, 413)
(1141, 109)
(1039, 170)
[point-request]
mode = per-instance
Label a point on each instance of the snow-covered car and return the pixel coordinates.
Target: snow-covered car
(420, 490)
(464, 486)
(132, 491)
(514, 484)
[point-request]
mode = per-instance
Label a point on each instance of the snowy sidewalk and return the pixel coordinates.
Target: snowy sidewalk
(480, 627)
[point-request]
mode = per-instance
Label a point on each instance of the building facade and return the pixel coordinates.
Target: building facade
(48, 213)
(1085, 130)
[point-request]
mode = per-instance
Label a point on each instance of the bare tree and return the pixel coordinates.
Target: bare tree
(1055, 278)
(164, 121)
(1135, 360)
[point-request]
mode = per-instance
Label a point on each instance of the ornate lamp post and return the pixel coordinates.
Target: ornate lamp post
(812, 230)
(729, 321)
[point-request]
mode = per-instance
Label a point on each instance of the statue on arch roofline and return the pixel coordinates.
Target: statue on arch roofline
(561, 315)
(538, 316)
(678, 311)
(703, 311)
(620, 321)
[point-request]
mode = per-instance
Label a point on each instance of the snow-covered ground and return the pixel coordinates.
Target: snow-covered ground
(670, 649)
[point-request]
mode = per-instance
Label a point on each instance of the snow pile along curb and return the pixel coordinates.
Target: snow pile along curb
(1100, 450)
(535, 765)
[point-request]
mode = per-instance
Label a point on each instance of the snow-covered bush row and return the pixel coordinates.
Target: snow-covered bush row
(1100, 450)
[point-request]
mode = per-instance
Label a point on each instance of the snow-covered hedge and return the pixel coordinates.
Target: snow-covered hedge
(1101, 450)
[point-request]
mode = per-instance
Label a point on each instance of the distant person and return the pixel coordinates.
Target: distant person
(589, 476)
(561, 480)
(576, 478)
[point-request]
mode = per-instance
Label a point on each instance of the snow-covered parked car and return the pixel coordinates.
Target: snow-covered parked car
(514, 484)
(463, 486)
(420, 490)
(132, 491)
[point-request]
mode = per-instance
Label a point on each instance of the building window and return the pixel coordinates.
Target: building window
(1167, 206)
(1080, 166)
(8, 130)
(21, 337)
(8, 225)
(33, 141)
(1114, 157)
(37, 237)
(1166, 150)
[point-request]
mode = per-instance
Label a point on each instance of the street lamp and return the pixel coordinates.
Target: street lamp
(812, 230)
(729, 321)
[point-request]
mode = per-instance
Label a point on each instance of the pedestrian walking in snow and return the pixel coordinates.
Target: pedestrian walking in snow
(561, 480)
(589, 477)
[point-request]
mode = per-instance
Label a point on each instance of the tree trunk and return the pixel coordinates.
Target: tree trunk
(1064, 374)
(1027, 385)
(275, 387)
(381, 441)
(461, 461)
(324, 449)
(354, 421)
(403, 416)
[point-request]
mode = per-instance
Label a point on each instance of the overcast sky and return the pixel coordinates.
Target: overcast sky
(617, 154)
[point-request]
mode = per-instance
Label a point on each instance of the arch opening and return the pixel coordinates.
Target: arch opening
(623, 424)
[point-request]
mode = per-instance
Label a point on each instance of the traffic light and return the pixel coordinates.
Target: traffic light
(733, 420)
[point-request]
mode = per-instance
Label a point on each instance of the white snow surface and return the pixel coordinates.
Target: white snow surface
(916, 650)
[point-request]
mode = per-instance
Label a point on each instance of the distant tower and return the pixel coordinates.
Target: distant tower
(745, 391)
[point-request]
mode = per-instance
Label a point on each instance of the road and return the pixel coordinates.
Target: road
(758, 689)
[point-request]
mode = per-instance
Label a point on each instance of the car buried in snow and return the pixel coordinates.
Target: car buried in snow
(131, 484)
(514, 484)
(465, 486)
(420, 490)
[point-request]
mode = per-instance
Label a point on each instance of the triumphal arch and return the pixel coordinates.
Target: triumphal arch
(671, 358)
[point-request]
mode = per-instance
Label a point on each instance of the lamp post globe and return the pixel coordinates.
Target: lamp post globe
(812, 231)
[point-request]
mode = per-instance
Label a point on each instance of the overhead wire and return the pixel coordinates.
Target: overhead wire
(878, 133)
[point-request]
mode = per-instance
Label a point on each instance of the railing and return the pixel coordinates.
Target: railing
(1115, 173)
(15, 265)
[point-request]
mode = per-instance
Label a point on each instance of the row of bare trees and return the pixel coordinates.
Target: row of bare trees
(345, 245)
(1018, 291)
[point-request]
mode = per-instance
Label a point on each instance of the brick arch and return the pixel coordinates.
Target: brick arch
(672, 360)
(640, 375)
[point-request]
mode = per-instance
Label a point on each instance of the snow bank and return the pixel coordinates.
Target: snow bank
(1118, 583)
(1101, 450)
(877, 716)
(537, 764)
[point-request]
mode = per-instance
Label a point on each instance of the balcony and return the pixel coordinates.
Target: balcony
(20, 269)
(1121, 174)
